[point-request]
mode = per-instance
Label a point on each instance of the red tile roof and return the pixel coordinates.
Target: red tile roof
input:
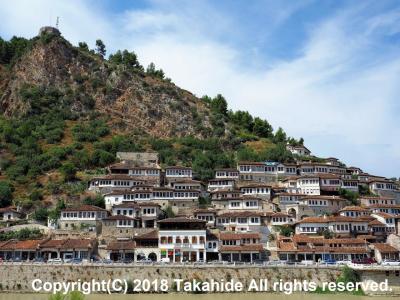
(242, 248)
(84, 208)
(385, 248)
(238, 235)
(121, 245)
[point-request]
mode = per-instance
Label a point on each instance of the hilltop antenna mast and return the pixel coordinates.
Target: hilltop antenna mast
(57, 22)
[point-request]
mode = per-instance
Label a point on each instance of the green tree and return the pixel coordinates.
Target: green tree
(6, 190)
(68, 170)
(262, 128)
(98, 201)
(350, 196)
(54, 214)
(152, 71)
(169, 213)
(126, 58)
(278, 153)
(280, 136)
(40, 214)
(219, 105)
(285, 230)
(100, 47)
(83, 46)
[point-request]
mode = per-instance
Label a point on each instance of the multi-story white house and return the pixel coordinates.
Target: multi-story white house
(323, 204)
(182, 239)
(253, 171)
(336, 224)
(176, 173)
(85, 217)
(309, 185)
(117, 197)
(354, 211)
(221, 184)
(145, 213)
(244, 247)
(387, 219)
(298, 150)
(393, 209)
(186, 184)
(381, 185)
(330, 182)
(149, 174)
(239, 221)
(258, 190)
(206, 214)
(226, 174)
(113, 182)
(376, 200)
(289, 198)
(350, 184)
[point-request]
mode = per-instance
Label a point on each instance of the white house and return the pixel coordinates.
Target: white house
(309, 185)
(257, 190)
(239, 221)
(226, 173)
(298, 150)
(182, 239)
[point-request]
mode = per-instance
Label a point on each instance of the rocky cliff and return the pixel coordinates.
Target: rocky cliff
(131, 99)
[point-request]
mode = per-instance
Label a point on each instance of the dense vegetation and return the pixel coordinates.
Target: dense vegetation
(22, 234)
(54, 149)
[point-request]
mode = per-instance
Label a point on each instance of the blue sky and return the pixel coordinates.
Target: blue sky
(327, 71)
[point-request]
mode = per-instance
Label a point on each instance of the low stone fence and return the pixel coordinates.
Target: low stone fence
(18, 277)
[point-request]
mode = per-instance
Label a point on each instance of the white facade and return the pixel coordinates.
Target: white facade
(178, 172)
(181, 244)
(309, 185)
(240, 204)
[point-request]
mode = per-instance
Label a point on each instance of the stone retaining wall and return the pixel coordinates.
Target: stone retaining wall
(19, 277)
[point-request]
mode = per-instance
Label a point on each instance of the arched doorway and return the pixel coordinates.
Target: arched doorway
(153, 256)
(140, 256)
(292, 212)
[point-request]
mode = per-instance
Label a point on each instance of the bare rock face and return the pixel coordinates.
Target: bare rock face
(131, 99)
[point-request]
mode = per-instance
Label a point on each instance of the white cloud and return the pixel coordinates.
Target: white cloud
(338, 94)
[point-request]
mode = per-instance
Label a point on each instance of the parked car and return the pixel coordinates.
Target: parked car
(16, 259)
(165, 260)
(55, 261)
(343, 262)
(126, 261)
(390, 262)
(329, 261)
(77, 261)
(145, 260)
(259, 261)
(38, 260)
(364, 261)
(307, 262)
(107, 261)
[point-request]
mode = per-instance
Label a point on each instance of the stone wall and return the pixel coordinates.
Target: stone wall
(19, 277)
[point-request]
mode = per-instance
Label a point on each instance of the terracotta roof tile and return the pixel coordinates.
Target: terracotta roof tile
(238, 235)
(385, 248)
(121, 245)
(84, 208)
(242, 248)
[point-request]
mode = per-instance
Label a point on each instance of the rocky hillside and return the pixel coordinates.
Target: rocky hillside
(125, 94)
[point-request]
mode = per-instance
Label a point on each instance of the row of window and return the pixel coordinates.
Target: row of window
(179, 240)
(252, 220)
(84, 215)
(171, 172)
